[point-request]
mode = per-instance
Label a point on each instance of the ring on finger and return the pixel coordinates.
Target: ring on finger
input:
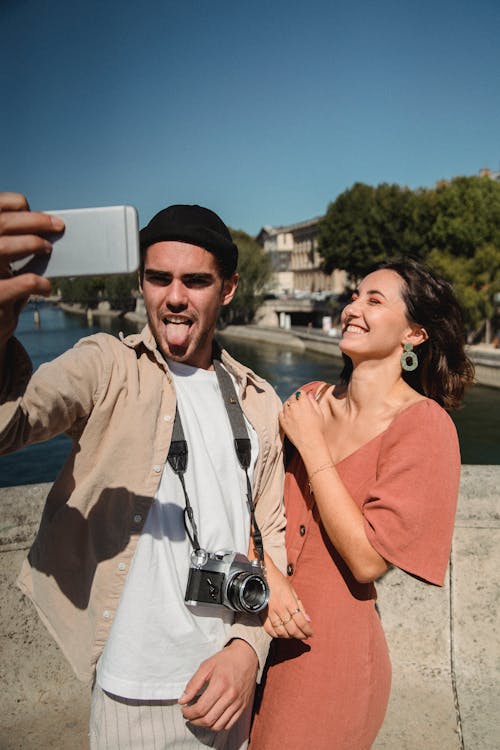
(296, 611)
(284, 622)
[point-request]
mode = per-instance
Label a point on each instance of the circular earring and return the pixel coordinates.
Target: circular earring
(409, 359)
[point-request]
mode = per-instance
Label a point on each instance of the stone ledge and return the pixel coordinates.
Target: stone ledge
(444, 643)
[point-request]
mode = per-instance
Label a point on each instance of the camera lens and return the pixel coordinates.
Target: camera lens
(247, 592)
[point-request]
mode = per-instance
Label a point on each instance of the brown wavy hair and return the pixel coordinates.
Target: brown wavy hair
(444, 370)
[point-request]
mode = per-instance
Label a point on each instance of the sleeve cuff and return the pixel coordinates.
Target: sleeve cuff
(248, 630)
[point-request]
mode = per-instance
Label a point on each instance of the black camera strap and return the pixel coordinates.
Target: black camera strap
(178, 455)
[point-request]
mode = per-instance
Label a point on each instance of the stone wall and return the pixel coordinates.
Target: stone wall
(444, 643)
(486, 359)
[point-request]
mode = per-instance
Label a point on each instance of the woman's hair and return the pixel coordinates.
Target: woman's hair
(444, 370)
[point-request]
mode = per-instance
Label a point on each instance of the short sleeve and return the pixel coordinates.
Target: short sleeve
(409, 510)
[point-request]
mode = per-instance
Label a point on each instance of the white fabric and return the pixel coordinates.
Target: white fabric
(157, 642)
(128, 724)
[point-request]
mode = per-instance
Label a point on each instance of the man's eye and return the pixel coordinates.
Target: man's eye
(374, 301)
(197, 281)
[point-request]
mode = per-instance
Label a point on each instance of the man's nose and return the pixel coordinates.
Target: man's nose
(176, 294)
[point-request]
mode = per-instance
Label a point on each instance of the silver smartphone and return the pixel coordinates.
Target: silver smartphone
(96, 242)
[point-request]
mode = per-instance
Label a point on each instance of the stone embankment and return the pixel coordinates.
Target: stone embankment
(486, 358)
(444, 642)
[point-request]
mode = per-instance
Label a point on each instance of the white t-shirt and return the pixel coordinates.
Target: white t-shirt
(157, 642)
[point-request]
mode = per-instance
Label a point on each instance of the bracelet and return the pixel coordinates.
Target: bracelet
(320, 468)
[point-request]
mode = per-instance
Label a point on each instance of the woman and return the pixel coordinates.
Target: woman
(373, 483)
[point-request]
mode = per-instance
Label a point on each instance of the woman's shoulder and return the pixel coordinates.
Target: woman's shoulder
(423, 422)
(425, 409)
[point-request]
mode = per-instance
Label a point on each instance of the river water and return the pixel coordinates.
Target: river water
(478, 422)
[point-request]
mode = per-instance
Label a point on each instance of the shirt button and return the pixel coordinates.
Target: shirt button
(106, 614)
(137, 518)
(167, 418)
(122, 566)
(302, 529)
(290, 569)
(157, 468)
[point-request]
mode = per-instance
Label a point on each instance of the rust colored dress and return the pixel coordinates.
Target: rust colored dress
(331, 692)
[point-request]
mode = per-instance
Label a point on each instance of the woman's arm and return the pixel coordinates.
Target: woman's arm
(304, 424)
(285, 616)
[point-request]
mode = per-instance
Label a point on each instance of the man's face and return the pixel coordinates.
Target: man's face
(183, 291)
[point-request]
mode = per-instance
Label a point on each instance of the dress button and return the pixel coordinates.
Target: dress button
(302, 529)
(121, 566)
(289, 569)
(137, 518)
(106, 614)
(167, 418)
(157, 468)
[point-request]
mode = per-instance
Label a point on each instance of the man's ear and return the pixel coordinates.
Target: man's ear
(139, 280)
(229, 287)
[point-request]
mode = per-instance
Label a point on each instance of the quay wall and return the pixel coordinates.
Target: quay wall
(444, 642)
(486, 359)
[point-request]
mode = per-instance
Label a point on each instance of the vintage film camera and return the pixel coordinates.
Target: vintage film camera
(227, 578)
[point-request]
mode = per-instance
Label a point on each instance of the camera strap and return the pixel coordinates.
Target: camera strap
(178, 455)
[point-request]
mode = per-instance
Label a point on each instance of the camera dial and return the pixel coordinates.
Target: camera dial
(199, 557)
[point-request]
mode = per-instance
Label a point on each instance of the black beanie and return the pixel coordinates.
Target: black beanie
(197, 226)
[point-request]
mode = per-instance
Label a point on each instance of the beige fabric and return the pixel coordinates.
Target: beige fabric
(116, 400)
(155, 725)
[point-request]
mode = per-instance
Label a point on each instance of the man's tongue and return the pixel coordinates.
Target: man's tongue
(177, 334)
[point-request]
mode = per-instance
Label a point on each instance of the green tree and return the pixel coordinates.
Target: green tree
(255, 271)
(464, 246)
(467, 215)
(90, 290)
(84, 290)
(454, 227)
(118, 290)
(366, 225)
(475, 281)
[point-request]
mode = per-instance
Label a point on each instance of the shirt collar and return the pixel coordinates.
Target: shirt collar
(243, 374)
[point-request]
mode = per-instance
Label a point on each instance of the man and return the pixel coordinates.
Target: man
(108, 569)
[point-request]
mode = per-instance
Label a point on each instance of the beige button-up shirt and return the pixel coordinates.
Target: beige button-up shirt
(116, 400)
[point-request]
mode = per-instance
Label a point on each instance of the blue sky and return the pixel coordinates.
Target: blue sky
(263, 111)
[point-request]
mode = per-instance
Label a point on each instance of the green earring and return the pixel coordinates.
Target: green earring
(409, 359)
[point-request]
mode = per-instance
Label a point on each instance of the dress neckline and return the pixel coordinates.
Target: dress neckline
(321, 392)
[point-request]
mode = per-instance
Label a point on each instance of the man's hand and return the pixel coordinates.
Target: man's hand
(22, 233)
(221, 688)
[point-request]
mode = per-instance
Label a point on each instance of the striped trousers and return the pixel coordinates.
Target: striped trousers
(126, 724)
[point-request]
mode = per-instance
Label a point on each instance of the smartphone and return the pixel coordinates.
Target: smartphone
(96, 242)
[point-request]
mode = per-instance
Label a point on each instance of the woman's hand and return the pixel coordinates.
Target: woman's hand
(285, 617)
(301, 419)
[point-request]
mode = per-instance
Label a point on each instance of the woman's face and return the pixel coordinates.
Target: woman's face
(375, 323)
